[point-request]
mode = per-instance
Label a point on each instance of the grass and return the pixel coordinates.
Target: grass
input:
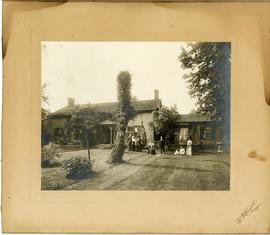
(141, 171)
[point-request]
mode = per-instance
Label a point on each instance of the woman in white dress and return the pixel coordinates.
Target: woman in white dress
(189, 147)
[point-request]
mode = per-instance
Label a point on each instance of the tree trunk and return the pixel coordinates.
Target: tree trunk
(88, 149)
(125, 112)
(119, 149)
(88, 137)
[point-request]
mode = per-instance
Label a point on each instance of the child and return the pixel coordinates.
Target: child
(182, 151)
(151, 148)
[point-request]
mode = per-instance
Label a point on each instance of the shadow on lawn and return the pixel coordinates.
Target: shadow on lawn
(88, 175)
(169, 167)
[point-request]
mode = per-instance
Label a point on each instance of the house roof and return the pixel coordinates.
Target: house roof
(110, 107)
(195, 117)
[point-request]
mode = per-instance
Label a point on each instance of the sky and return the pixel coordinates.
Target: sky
(87, 71)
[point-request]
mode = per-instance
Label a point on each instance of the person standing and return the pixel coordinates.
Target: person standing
(129, 142)
(140, 144)
(137, 143)
(133, 143)
(162, 145)
(189, 147)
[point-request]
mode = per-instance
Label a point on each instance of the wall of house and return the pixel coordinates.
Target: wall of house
(56, 123)
(197, 132)
(145, 119)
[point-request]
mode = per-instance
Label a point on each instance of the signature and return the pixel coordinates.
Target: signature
(254, 206)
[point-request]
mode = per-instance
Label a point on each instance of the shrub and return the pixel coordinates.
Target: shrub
(49, 153)
(62, 140)
(77, 168)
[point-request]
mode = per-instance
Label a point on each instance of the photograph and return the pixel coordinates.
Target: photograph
(135, 115)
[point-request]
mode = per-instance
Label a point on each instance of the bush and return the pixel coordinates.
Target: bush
(62, 140)
(77, 168)
(49, 153)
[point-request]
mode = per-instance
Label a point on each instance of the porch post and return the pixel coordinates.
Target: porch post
(111, 136)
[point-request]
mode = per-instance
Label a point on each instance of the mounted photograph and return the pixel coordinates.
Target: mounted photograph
(151, 116)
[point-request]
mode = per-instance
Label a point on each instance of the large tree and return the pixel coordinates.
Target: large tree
(44, 102)
(44, 114)
(166, 121)
(124, 113)
(84, 120)
(208, 66)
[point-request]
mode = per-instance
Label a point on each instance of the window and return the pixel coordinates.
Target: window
(208, 133)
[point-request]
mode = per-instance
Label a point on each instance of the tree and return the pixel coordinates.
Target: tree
(166, 121)
(209, 71)
(134, 99)
(83, 120)
(44, 115)
(124, 113)
(44, 102)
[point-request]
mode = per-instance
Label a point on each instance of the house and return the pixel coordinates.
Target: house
(105, 132)
(204, 131)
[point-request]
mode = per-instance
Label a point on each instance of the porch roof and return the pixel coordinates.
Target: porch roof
(195, 117)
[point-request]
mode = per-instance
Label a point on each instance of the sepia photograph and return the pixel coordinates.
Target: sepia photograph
(151, 116)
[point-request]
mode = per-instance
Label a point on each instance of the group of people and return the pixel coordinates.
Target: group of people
(183, 151)
(135, 143)
(180, 151)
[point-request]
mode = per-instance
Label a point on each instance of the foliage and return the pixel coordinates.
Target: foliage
(166, 121)
(77, 168)
(134, 99)
(49, 153)
(44, 114)
(208, 66)
(125, 109)
(209, 76)
(87, 118)
(124, 114)
(84, 119)
(62, 140)
(44, 102)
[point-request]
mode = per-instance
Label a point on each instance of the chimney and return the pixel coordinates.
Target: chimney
(71, 101)
(156, 94)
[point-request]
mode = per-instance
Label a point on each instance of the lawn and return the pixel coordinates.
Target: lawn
(141, 171)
